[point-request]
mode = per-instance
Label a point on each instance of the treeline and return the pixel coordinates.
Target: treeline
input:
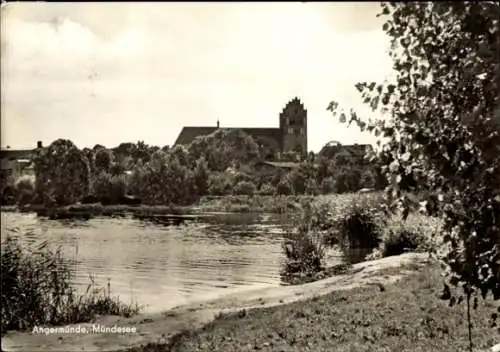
(223, 163)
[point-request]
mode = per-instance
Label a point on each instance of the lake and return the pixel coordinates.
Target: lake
(161, 265)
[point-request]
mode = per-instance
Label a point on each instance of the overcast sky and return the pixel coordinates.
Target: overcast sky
(116, 72)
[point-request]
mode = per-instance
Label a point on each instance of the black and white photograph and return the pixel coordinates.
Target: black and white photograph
(250, 176)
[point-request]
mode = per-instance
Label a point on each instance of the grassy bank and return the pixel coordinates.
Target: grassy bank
(37, 290)
(406, 316)
(229, 204)
(252, 204)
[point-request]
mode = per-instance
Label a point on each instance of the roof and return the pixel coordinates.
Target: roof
(14, 154)
(358, 150)
(188, 134)
(280, 164)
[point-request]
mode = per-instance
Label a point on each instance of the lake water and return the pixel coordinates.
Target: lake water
(164, 266)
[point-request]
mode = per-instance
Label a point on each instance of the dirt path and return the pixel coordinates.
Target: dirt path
(160, 327)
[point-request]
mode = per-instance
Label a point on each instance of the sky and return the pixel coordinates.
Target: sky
(122, 72)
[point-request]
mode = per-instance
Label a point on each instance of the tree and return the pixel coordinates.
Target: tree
(442, 134)
(268, 148)
(62, 173)
(225, 148)
(201, 177)
(103, 160)
(90, 155)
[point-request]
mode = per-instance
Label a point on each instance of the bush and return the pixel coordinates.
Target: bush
(110, 189)
(25, 189)
(304, 247)
(416, 234)
(219, 184)
(368, 179)
(118, 188)
(245, 188)
(304, 254)
(311, 187)
(328, 185)
(284, 187)
(36, 290)
(267, 189)
(358, 228)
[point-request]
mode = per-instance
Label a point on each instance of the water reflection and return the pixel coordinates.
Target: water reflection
(159, 263)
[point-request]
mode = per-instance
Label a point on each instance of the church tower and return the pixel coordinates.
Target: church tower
(293, 126)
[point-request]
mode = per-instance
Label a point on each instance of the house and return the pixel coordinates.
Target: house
(272, 166)
(17, 162)
(290, 136)
(355, 151)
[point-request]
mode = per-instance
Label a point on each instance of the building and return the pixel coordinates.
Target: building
(290, 136)
(353, 151)
(17, 162)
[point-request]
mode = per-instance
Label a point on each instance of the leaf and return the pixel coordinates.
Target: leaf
(332, 106)
(446, 294)
(342, 118)
(385, 99)
(482, 76)
(374, 103)
(360, 86)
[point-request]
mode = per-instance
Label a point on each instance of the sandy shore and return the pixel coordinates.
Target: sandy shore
(161, 327)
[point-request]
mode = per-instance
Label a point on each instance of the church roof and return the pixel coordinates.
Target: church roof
(188, 134)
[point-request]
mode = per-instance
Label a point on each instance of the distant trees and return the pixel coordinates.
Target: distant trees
(218, 164)
(225, 148)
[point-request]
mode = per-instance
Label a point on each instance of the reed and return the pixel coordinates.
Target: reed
(37, 290)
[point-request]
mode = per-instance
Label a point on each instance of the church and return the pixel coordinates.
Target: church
(290, 136)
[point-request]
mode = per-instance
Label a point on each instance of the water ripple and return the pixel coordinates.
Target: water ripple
(163, 266)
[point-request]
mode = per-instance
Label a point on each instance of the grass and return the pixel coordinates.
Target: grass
(230, 204)
(252, 204)
(36, 290)
(405, 316)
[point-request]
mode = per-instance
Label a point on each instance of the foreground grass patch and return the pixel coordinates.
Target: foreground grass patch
(406, 316)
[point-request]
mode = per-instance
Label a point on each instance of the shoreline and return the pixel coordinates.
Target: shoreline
(162, 327)
(228, 205)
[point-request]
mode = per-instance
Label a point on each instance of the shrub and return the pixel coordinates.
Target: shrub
(328, 185)
(358, 228)
(303, 248)
(417, 234)
(101, 185)
(267, 189)
(311, 187)
(118, 187)
(25, 189)
(284, 187)
(240, 176)
(245, 188)
(219, 184)
(36, 290)
(368, 179)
